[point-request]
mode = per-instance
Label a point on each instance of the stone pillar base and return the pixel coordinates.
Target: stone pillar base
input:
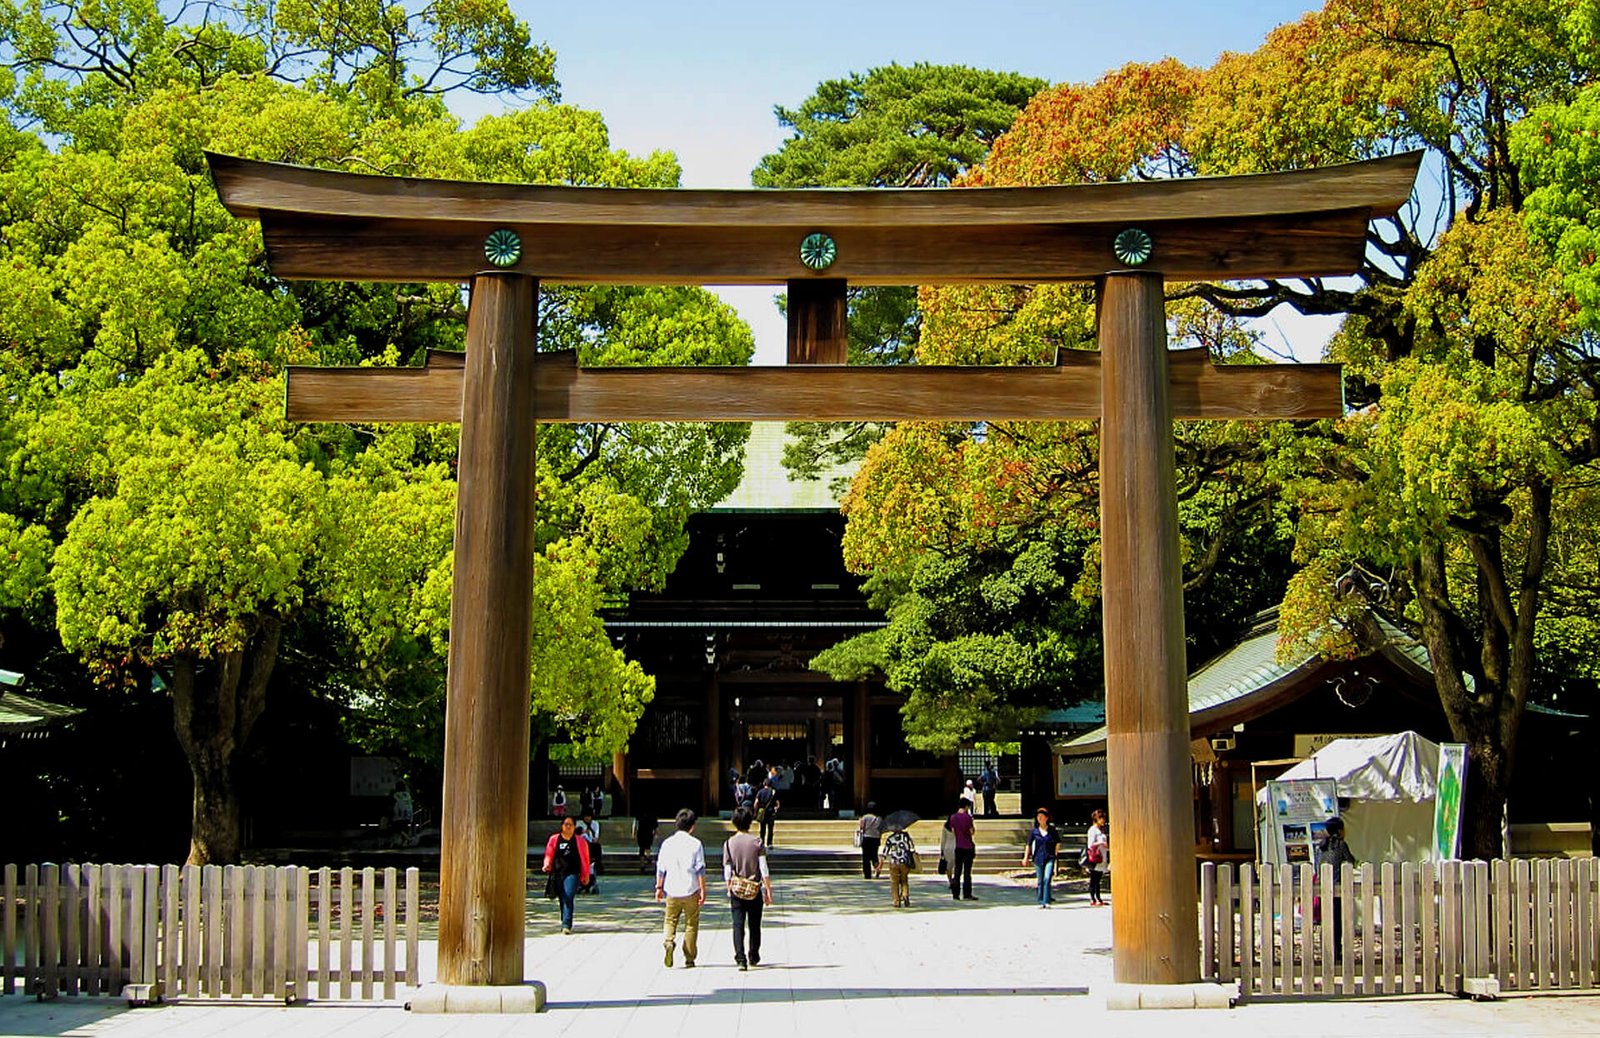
(1171, 996)
(527, 997)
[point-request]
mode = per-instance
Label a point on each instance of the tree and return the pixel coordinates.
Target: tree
(983, 501)
(893, 126)
(1437, 502)
(167, 522)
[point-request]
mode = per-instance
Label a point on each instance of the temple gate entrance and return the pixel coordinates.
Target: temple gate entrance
(1129, 238)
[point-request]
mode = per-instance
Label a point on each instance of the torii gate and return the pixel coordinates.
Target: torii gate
(505, 238)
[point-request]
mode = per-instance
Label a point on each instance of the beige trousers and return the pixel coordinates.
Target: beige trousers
(687, 909)
(900, 883)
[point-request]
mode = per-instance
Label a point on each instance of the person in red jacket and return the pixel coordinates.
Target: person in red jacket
(566, 862)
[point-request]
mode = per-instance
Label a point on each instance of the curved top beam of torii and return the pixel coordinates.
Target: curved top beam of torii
(326, 225)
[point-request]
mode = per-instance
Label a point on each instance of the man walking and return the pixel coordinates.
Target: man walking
(965, 851)
(681, 883)
(988, 782)
(766, 806)
(744, 868)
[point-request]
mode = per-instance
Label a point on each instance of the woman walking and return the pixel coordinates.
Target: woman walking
(868, 833)
(900, 853)
(1044, 843)
(744, 868)
(566, 862)
(1097, 855)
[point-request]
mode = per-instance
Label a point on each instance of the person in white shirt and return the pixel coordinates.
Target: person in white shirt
(681, 883)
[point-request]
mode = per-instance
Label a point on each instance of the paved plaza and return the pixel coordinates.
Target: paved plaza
(837, 961)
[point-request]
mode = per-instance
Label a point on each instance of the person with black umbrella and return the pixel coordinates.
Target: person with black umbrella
(900, 854)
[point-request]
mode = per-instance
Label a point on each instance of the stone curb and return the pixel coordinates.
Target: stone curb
(528, 997)
(1171, 996)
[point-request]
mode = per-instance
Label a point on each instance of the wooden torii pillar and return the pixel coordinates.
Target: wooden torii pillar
(1127, 237)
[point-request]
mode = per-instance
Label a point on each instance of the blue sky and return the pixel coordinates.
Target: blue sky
(701, 78)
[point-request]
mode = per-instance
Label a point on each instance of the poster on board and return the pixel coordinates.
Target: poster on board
(1447, 799)
(1081, 777)
(1297, 813)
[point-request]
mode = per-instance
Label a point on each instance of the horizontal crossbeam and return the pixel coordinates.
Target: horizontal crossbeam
(566, 392)
(343, 249)
(323, 224)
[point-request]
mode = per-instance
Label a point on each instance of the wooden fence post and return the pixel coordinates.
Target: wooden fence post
(1247, 930)
(413, 928)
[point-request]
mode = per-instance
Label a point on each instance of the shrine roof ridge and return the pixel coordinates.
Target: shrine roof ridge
(249, 187)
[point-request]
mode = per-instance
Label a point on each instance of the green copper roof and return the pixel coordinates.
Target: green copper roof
(19, 713)
(766, 486)
(1252, 666)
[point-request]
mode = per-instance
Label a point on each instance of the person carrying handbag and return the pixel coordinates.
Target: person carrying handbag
(744, 869)
(869, 833)
(1097, 855)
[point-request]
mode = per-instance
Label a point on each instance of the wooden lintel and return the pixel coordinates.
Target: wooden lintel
(404, 250)
(322, 224)
(568, 393)
(249, 188)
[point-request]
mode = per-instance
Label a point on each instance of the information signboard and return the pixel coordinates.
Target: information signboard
(1297, 811)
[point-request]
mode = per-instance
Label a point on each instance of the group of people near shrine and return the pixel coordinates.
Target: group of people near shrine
(572, 858)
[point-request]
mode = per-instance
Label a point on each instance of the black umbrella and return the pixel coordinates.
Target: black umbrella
(900, 820)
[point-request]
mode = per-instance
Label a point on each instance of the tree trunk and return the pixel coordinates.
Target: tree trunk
(1484, 805)
(214, 708)
(1498, 645)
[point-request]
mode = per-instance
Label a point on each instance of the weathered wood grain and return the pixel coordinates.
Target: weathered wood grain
(484, 840)
(1268, 936)
(248, 187)
(327, 225)
(818, 322)
(1147, 711)
(1247, 930)
(370, 249)
(567, 393)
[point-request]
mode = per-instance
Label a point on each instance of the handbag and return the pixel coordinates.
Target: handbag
(743, 889)
(944, 867)
(857, 838)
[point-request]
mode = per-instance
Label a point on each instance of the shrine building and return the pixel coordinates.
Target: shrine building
(761, 589)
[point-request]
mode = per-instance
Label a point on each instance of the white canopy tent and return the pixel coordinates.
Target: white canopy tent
(1390, 782)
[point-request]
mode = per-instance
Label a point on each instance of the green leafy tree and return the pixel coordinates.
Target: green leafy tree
(932, 501)
(1435, 503)
(165, 520)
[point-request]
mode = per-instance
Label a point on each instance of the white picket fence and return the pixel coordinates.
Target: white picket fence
(215, 932)
(1429, 927)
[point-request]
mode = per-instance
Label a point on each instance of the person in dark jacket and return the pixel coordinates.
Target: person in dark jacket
(1332, 850)
(1044, 844)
